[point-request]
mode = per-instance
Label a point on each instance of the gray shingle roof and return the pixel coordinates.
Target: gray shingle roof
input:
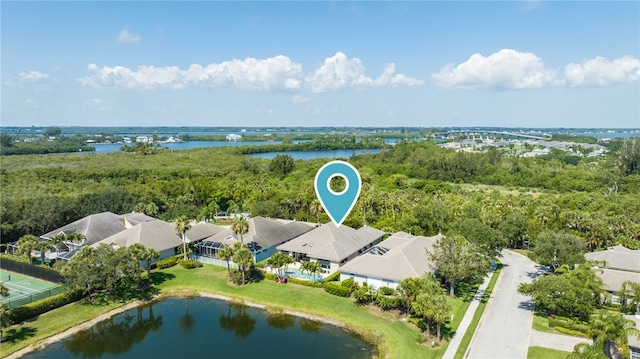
(332, 243)
(618, 257)
(155, 234)
(263, 232)
(94, 227)
(133, 218)
(202, 230)
(403, 256)
(613, 278)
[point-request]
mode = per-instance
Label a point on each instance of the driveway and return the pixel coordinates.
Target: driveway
(505, 327)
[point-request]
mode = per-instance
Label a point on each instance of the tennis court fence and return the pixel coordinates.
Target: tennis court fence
(26, 297)
(31, 270)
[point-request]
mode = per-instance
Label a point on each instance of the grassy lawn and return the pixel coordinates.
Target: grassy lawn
(541, 324)
(20, 336)
(546, 353)
(466, 340)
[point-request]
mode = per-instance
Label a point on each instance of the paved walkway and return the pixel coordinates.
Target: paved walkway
(555, 341)
(468, 316)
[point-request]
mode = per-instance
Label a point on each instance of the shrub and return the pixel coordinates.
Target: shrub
(336, 289)
(333, 277)
(167, 263)
(568, 324)
(570, 331)
(386, 291)
(34, 309)
(270, 276)
(387, 302)
(363, 295)
(307, 283)
(347, 282)
(262, 264)
(189, 263)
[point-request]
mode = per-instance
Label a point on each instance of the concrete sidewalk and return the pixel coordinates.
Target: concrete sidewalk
(555, 341)
(468, 316)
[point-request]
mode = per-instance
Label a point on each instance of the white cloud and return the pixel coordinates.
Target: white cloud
(505, 69)
(278, 73)
(35, 79)
(300, 99)
(339, 72)
(127, 37)
(98, 103)
(600, 71)
(33, 76)
(275, 73)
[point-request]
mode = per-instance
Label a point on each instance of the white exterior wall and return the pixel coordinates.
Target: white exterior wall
(375, 282)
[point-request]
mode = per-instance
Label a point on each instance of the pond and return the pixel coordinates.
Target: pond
(207, 328)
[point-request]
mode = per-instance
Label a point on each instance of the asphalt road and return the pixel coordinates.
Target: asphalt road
(505, 327)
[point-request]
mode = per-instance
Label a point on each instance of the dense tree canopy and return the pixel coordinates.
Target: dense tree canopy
(415, 187)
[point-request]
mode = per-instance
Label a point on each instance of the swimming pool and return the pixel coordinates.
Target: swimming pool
(296, 273)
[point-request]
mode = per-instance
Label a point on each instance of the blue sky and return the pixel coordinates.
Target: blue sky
(503, 63)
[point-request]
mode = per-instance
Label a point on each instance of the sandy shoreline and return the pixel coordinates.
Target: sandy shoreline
(88, 324)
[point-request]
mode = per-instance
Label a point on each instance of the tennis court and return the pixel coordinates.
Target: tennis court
(24, 289)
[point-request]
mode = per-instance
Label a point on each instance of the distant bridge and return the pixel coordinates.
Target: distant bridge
(484, 132)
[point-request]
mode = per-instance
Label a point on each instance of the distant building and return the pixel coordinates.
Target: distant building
(233, 137)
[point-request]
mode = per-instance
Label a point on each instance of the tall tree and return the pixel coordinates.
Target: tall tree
(457, 260)
(557, 248)
(27, 244)
(243, 258)
(610, 332)
(5, 318)
(240, 226)
(315, 207)
(146, 254)
(631, 295)
(182, 225)
(226, 253)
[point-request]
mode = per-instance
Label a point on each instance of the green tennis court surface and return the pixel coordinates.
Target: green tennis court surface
(24, 289)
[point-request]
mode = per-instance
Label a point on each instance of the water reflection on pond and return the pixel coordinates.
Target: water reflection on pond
(204, 327)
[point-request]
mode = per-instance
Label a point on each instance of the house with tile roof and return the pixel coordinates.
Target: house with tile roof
(616, 265)
(94, 228)
(262, 238)
(332, 246)
(398, 257)
(156, 234)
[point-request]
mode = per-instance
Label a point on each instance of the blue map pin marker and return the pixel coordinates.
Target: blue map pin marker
(337, 204)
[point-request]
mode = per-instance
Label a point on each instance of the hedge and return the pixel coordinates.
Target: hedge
(307, 283)
(189, 264)
(333, 277)
(270, 276)
(34, 309)
(570, 331)
(336, 289)
(167, 262)
(568, 324)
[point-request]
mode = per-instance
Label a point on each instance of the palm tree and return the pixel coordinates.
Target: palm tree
(75, 238)
(182, 225)
(440, 312)
(226, 253)
(42, 247)
(314, 268)
(631, 295)
(243, 258)
(142, 253)
(240, 226)
(27, 244)
(315, 208)
(609, 328)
